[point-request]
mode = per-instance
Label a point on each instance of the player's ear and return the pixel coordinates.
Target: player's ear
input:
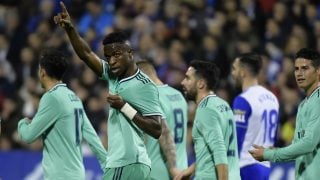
(243, 72)
(42, 72)
(130, 51)
(201, 84)
(318, 71)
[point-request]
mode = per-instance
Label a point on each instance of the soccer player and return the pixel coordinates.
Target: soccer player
(175, 110)
(61, 122)
(305, 147)
(256, 112)
(133, 97)
(213, 133)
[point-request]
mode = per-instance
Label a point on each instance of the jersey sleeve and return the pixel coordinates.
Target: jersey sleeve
(146, 101)
(46, 116)
(91, 137)
(211, 131)
(306, 144)
(105, 71)
(242, 111)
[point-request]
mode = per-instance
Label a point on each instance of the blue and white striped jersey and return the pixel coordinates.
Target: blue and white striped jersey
(256, 114)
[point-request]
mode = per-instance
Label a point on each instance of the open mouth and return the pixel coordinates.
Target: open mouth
(300, 80)
(114, 70)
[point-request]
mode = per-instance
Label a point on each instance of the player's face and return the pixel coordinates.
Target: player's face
(189, 84)
(307, 76)
(236, 72)
(119, 56)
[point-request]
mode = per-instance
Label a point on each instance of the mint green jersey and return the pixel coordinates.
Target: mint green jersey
(214, 137)
(125, 139)
(174, 107)
(305, 148)
(62, 124)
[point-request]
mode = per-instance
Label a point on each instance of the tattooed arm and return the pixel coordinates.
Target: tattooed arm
(168, 148)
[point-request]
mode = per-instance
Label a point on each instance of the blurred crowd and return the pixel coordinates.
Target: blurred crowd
(169, 33)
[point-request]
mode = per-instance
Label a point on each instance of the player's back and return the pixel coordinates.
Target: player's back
(174, 108)
(213, 108)
(62, 156)
(176, 111)
(256, 114)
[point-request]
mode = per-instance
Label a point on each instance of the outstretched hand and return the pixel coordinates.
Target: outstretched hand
(63, 18)
(257, 153)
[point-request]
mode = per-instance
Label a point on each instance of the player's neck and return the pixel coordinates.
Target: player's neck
(202, 95)
(132, 70)
(157, 81)
(50, 84)
(312, 89)
(249, 82)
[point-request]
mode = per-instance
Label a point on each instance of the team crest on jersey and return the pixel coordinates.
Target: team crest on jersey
(240, 116)
(301, 134)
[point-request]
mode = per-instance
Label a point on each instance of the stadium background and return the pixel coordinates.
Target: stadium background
(168, 33)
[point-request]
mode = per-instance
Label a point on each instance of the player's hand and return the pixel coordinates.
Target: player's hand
(115, 101)
(174, 172)
(63, 19)
(183, 175)
(257, 152)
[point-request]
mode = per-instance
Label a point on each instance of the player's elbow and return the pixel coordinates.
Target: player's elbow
(27, 139)
(309, 145)
(157, 131)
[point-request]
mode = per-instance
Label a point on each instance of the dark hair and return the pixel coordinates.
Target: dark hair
(208, 71)
(252, 61)
(309, 54)
(54, 62)
(116, 37)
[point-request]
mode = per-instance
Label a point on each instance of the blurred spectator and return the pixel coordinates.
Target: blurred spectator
(168, 33)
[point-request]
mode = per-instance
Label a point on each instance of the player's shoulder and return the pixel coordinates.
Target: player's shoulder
(169, 90)
(213, 101)
(143, 78)
(139, 82)
(255, 93)
(315, 96)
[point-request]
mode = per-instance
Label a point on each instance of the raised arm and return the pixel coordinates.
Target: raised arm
(79, 45)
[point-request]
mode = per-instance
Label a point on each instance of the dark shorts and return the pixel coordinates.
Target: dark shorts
(255, 172)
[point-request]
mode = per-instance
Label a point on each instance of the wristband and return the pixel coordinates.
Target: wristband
(128, 110)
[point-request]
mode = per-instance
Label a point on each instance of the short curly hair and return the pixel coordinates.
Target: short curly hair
(208, 71)
(54, 62)
(309, 54)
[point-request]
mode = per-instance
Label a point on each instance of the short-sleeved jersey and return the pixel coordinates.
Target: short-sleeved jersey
(125, 139)
(256, 114)
(305, 148)
(215, 139)
(174, 107)
(62, 123)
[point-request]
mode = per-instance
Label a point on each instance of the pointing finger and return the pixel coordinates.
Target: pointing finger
(63, 7)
